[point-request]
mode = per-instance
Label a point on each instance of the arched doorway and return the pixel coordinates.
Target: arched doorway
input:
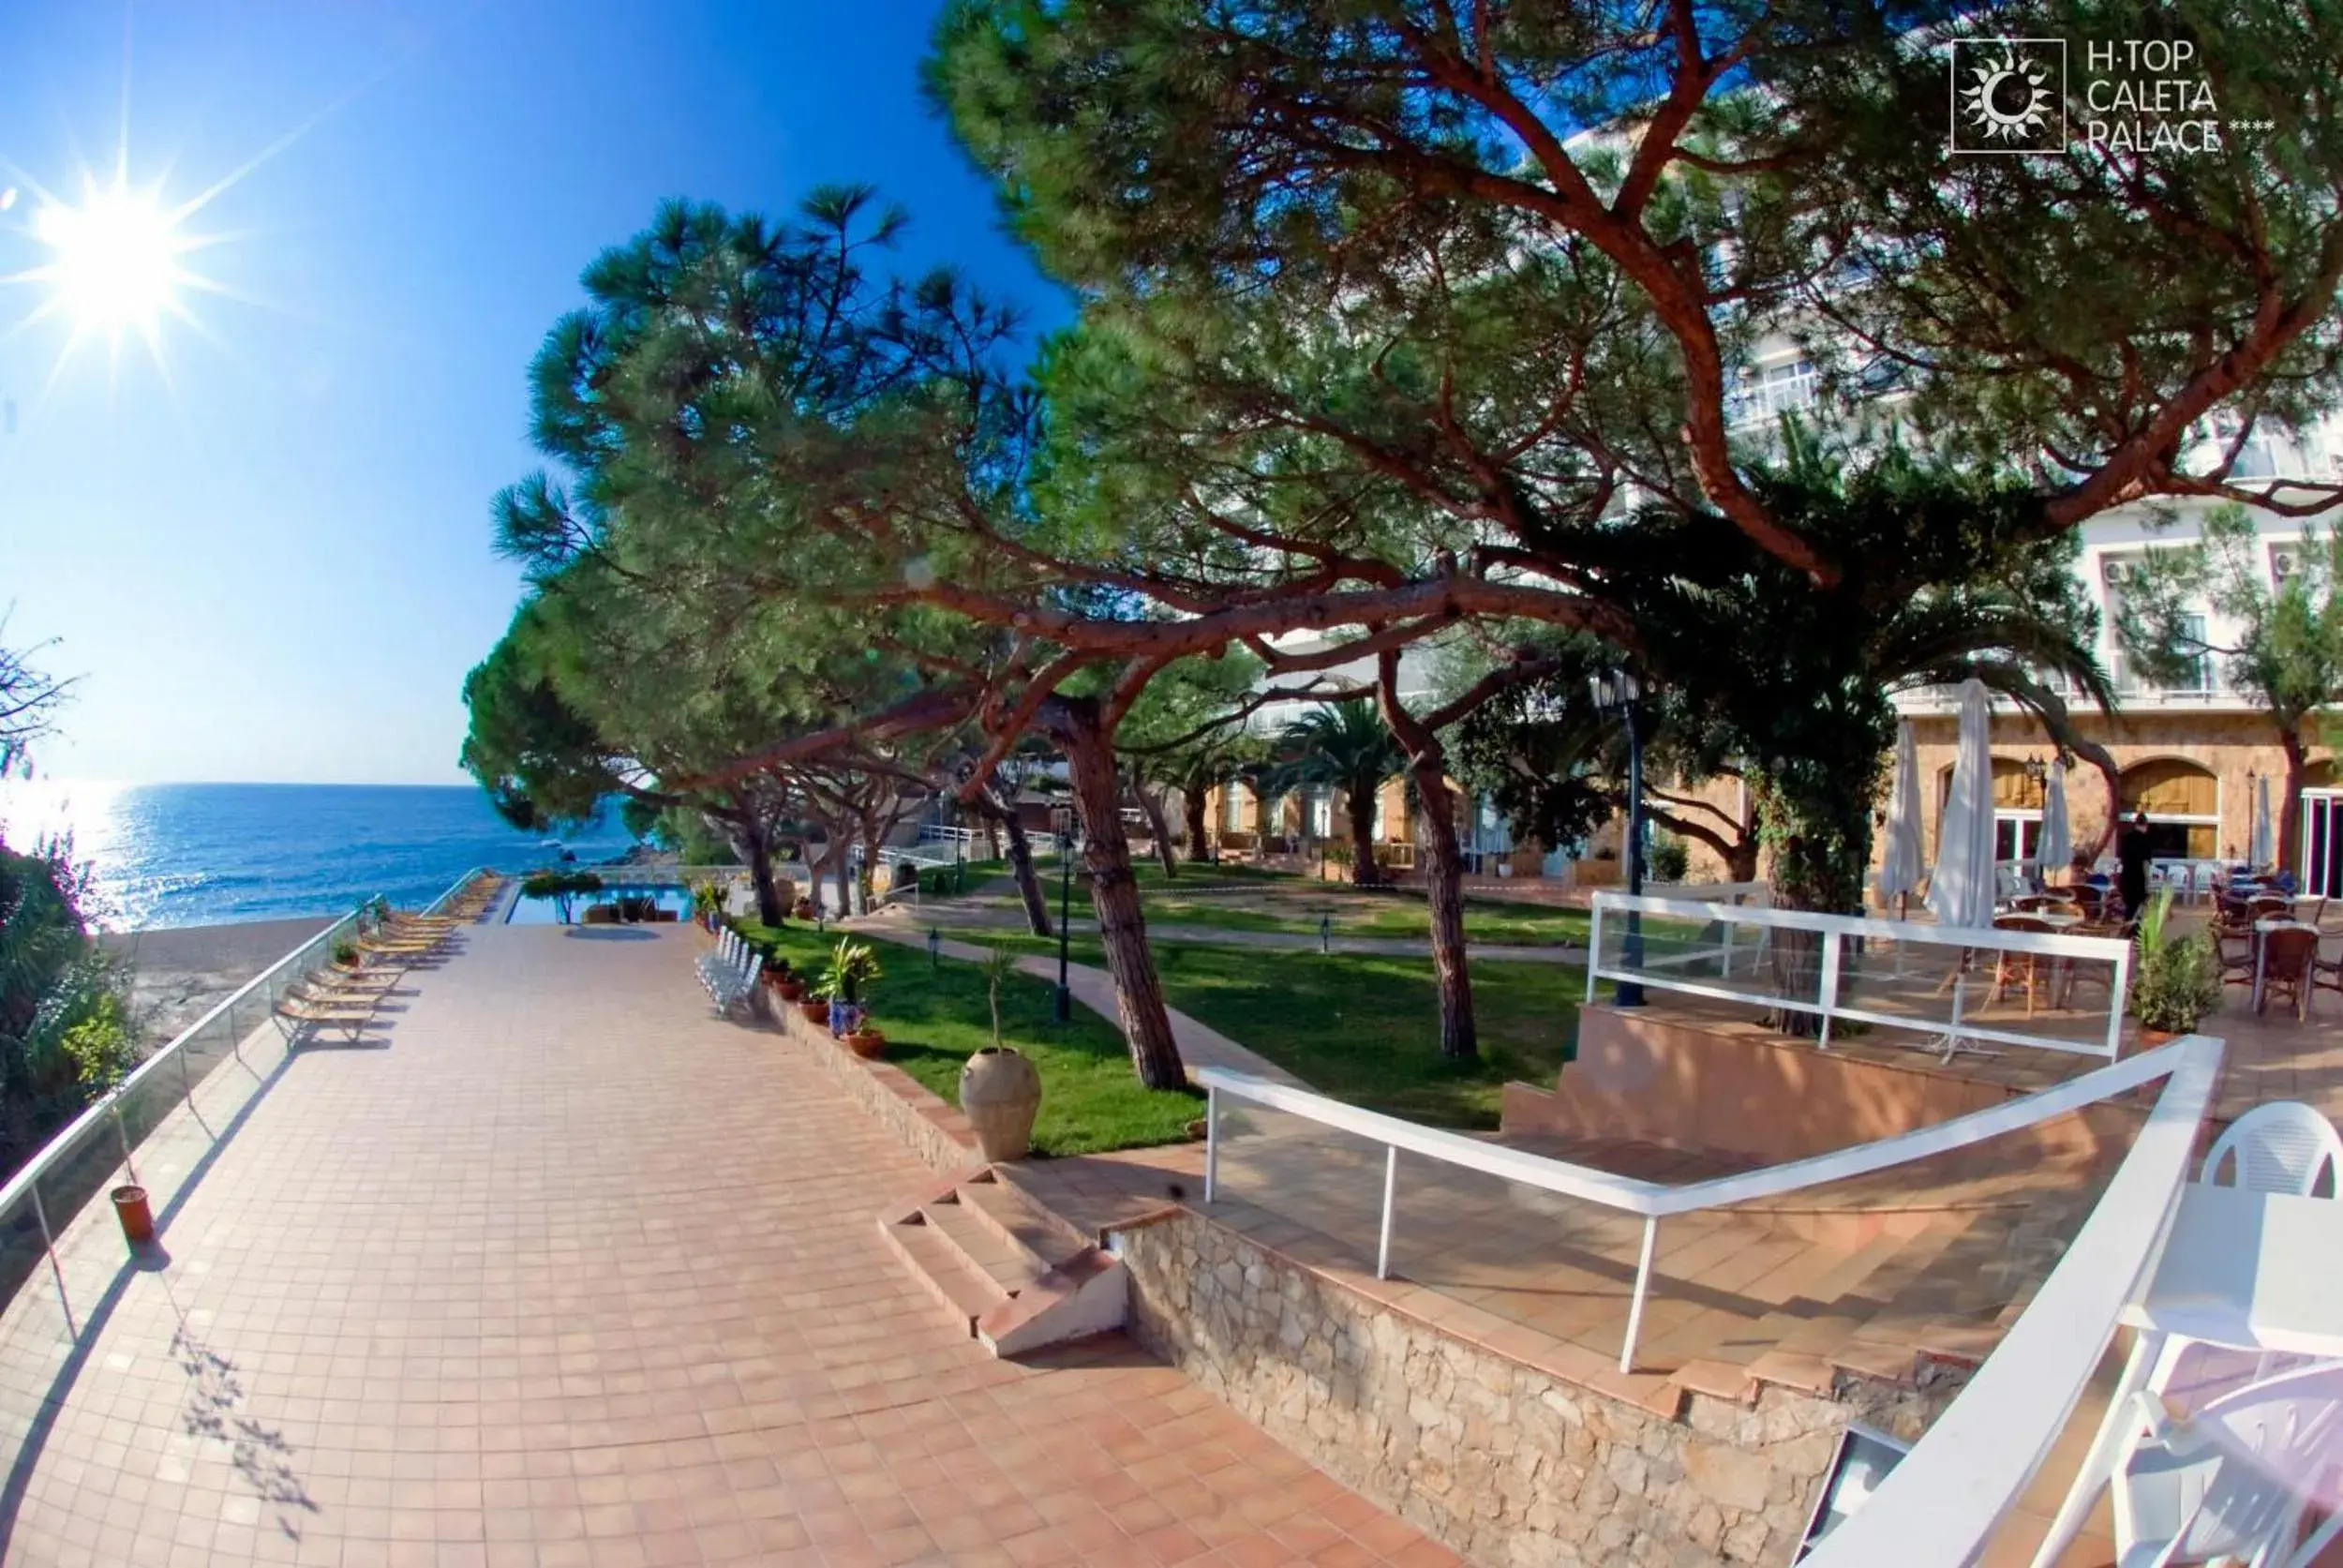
(2183, 799)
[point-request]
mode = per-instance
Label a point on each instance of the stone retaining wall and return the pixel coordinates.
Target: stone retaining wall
(934, 1130)
(1500, 1462)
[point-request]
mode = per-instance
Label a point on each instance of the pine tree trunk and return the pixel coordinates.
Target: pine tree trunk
(756, 845)
(1028, 884)
(1443, 889)
(1157, 825)
(1114, 895)
(2290, 824)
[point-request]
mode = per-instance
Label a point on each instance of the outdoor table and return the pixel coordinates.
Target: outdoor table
(2261, 946)
(2251, 1271)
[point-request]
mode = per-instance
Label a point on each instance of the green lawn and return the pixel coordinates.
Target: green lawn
(1366, 1028)
(934, 1016)
(1293, 903)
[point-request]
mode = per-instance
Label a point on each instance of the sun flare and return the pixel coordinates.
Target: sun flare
(113, 258)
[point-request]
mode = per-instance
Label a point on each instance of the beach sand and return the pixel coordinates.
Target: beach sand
(181, 972)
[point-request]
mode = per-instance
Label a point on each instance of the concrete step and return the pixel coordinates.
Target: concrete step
(1016, 1217)
(963, 1292)
(1014, 1278)
(984, 1247)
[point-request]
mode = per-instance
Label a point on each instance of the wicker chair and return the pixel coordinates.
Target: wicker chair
(2035, 972)
(2287, 957)
(2234, 943)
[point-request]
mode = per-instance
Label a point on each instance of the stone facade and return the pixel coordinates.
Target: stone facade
(1504, 1463)
(2235, 747)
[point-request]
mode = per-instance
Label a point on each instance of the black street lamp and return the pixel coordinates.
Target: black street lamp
(1618, 691)
(1068, 833)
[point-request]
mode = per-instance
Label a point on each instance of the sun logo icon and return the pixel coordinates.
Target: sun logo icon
(2008, 95)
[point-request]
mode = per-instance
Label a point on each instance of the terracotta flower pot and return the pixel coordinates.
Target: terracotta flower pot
(866, 1043)
(1000, 1092)
(816, 1012)
(138, 1220)
(790, 989)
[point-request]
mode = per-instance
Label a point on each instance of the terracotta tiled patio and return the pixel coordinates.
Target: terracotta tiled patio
(556, 1269)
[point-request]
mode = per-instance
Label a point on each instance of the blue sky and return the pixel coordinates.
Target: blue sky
(269, 558)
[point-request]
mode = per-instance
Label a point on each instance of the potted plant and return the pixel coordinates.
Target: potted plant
(846, 983)
(345, 953)
(2175, 979)
(1000, 1090)
(707, 904)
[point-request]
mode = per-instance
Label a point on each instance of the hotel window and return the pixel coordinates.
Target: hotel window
(1233, 807)
(1767, 392)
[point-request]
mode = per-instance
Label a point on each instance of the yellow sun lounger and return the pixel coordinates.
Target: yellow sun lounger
(299, 1018)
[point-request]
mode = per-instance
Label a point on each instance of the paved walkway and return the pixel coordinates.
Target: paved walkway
(556, 1269)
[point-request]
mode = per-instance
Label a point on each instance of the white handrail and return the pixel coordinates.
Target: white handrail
(1835, 932)
(1943, 1503)
(1654, 1201)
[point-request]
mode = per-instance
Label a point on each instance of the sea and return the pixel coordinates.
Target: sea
(206, 854)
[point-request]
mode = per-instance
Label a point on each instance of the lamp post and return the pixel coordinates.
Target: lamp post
(1067, 833)
(1618, 691)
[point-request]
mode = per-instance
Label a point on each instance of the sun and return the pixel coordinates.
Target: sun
(113, 258)
(2008, 97)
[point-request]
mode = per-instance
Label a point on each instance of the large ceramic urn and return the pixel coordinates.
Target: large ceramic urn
(999, 1093)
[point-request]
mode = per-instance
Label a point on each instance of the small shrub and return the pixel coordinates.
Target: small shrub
(852, 968)
(2175, 980)
(101, 1047)
(345, 952)
(1670, 859)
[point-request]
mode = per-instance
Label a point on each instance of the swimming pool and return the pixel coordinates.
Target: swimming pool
(543, 912)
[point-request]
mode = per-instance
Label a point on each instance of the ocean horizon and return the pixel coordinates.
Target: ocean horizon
(167, 855)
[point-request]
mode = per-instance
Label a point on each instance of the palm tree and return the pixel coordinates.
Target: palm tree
(1344, 745)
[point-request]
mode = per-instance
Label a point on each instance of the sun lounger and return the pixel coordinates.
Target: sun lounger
(299, 1018)
(356, 982)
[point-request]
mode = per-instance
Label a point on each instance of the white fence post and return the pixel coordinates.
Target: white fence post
(1830, 951)
(1594, 947)
(2118, 999)
(1391, 1179)
(1634, 1308)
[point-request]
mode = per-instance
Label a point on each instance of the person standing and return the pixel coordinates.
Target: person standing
(2132, 853)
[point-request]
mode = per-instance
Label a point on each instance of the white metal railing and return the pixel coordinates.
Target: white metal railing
(224, 1026)
(1944, 1502)
(1653, 1202)
(1746, 936)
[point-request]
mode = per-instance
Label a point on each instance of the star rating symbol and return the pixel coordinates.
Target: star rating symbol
(2253, 125)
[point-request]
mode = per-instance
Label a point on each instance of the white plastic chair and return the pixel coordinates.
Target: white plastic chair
(2231, 1484)
(2278, 1147)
